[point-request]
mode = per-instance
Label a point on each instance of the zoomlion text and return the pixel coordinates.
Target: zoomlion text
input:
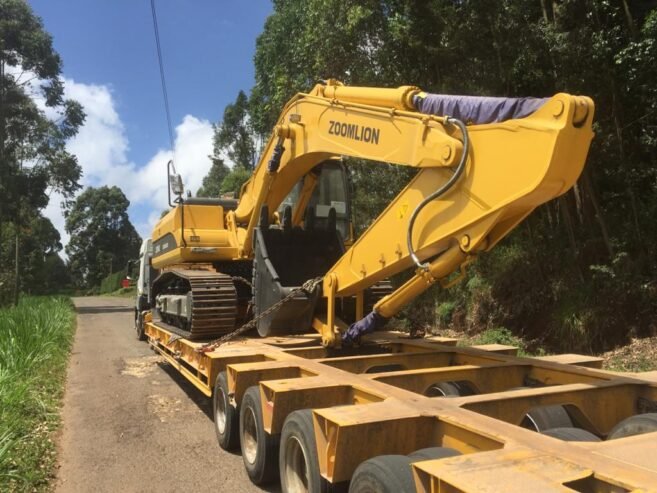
(354, 131)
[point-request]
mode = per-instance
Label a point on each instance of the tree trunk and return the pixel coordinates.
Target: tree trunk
(629, 20)
(544, 8)
(593, 197)
(578, 203)
(570, 230)
(535, 250)
(618, 126)
(623, 162)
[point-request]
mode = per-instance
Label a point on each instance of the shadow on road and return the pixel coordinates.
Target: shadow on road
(85, 310)
(204, 404)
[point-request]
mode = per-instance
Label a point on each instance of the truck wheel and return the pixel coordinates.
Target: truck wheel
(433, 453)
(226, 417)
(259, 448)
(298, 463)
(569, 434)
(384, 474)
(139, 325)
(634, 425)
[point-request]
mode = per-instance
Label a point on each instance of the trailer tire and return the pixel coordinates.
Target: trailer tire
(139, 325)
(570, 434)
(384, 474)
(433, 453)
(634, 425)
(449, 389)
(298, 463)
(259, 448)
(546, 417)
(226, 417)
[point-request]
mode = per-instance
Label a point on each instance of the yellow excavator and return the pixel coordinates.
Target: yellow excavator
(283, 257)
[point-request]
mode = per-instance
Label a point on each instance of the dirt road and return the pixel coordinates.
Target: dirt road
(130, 423)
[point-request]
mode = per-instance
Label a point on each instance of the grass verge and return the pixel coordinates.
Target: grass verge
(130, 292)
(35, 342)
(498, 335)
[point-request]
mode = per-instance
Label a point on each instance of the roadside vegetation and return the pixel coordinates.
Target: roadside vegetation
(35, 342)
(637, 356)
(129, 292)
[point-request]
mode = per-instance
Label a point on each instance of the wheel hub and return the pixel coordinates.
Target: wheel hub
(250, 437)
(296, 467)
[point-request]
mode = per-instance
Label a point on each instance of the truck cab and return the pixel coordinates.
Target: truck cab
(143, 300)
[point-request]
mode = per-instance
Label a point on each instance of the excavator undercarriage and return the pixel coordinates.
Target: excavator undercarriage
(196, 303)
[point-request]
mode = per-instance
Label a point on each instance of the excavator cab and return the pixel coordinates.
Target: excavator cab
(326, 187)
(307, 239)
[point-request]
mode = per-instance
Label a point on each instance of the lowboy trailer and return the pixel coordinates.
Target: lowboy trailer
(423, 414)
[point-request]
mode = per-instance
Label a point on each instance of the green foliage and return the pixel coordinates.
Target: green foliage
(35, 341)
(42, 271)
(32, 147)
(445, 312)
(234, 136)
(34, 160)
(7, 281)
(112, 282)
(502, 335)
(102, 237)
(211, 186)
(234, 180)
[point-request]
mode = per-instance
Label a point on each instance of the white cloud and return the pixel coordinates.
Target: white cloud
(102, 148)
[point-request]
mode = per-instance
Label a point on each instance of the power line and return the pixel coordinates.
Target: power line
(164, 84)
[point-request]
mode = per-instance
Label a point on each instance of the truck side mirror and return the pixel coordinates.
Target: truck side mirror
(175, 184)
(177, 187)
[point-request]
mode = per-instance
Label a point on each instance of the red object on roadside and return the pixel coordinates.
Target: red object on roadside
(125, 283)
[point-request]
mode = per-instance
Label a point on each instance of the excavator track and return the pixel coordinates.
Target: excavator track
(212, 299)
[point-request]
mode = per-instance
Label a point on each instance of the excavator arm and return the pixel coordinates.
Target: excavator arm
(474, 184)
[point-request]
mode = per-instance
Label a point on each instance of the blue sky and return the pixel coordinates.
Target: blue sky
(110, 66)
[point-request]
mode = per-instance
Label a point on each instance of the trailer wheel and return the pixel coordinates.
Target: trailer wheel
(298, 463)
(634, 425)
(545, 417)
(384, 474)
(433, 453)
(449, 389)
(139, 325)
(570, 434)
(259, 448)
(226, 417)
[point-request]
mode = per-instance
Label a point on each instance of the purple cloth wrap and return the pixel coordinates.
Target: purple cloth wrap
(371, 322)
(477, 109)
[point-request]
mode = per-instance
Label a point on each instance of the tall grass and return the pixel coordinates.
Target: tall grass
(35, 341)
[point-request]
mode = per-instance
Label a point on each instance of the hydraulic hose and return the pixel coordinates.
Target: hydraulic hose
(441, 191)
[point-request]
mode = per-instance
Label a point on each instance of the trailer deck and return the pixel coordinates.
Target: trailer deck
(373, 400)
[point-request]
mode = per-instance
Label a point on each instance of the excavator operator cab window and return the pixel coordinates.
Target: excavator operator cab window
(331, 190)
